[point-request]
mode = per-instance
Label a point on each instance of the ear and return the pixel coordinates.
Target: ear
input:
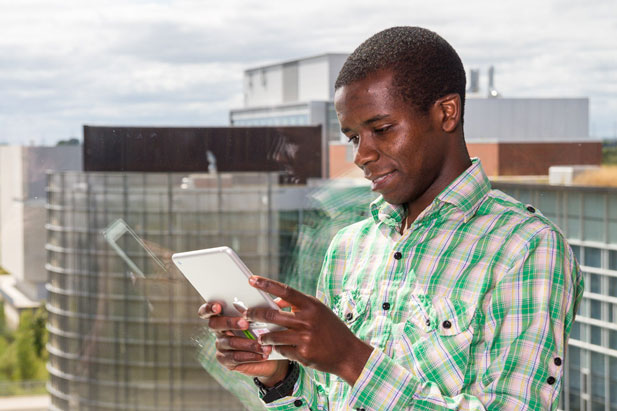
(449, 111)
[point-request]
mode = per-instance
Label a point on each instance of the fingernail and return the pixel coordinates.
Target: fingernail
(253, 280)
(267, 349)
(216, 308)
(201, 311)
(243, 324)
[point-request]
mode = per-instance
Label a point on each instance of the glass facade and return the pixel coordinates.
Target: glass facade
(117, 340)
(280, 120)
(588, 218)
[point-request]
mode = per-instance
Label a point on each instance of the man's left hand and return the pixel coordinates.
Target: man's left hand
(315, 336)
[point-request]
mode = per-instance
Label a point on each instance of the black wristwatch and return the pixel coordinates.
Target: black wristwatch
(283, 388)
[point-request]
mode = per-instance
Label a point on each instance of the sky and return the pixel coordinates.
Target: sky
(67, 63)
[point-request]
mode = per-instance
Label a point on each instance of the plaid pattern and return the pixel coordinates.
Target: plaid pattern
(481, 299)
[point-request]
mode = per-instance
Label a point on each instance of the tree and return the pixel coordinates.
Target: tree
(27, 367)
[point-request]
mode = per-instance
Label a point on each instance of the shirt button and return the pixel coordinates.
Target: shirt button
(398, 255)
(550, 380)
(531, 209)
(298, 403)
(428, 323)
(447, 324)
(557, 361)
(385, 306)
(349, 316)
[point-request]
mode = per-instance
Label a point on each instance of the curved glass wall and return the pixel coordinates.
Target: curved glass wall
(116, 340)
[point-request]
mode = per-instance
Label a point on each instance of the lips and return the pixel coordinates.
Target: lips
(378, 183)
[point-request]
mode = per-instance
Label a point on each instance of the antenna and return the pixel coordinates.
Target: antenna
(474, 80)
(492, 91)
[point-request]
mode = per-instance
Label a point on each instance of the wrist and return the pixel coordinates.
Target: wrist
(279, 374)
(353, 364)
(281, 389)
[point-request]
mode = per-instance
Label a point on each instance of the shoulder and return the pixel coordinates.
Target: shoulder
(522, 227)
(533, 239)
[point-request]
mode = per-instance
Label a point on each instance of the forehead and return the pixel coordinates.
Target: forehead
(364, 98)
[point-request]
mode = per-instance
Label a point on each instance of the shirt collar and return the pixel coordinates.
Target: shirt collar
(465, 193)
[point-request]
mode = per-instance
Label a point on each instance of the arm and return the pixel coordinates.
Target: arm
(527, 318)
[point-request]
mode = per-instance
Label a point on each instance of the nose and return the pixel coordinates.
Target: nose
(365, 151)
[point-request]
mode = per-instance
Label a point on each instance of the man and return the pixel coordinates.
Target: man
(450, 296)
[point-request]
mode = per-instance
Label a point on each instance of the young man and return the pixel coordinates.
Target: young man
(450, 296)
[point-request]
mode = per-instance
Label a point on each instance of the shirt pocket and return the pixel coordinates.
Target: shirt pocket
(436, 339)
(351, 307)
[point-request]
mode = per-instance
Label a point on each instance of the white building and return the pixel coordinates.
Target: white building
(22, 221)
(513, 136)
(297, 92)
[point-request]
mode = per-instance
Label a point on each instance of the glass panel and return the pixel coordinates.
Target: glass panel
(612, 260)
(547, 203)
(576, 250)
(596, 334)
(593, 257)
(612, 339)
(597, 376)
(595, 285)
(594, 229)
(594, 206)
(596, 309)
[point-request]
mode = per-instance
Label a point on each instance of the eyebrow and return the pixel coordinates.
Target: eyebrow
(368, 122)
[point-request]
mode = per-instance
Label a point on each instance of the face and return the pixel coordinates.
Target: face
(401, 151)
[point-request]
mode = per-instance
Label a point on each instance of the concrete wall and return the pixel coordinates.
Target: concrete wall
(263, 87)
(22, 210)
(526, 119)
(12, 198)
(313, 79)
(300, 80)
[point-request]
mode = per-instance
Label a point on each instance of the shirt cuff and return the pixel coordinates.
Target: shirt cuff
(302, 397)
(382, 385)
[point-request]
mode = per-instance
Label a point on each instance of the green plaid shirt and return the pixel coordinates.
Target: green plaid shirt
(470, 308)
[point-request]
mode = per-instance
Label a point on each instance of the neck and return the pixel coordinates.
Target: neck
(443, 180)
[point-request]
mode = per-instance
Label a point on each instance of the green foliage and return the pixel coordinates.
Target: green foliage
(25, 349)
(22, 352)
(3, 330)
(609, 155)
(70, 142)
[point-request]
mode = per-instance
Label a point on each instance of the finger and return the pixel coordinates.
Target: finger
(271, 316)
(228, 323)
(232, 359)
(238, 344)
(289, 352)
(239, 357)
(221, 334)
(281, 290)
(281, 303)
(277, 338)
(209, 309)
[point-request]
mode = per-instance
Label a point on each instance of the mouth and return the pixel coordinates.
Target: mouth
(379, 182)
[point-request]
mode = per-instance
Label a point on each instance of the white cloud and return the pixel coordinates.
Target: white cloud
(66, 63)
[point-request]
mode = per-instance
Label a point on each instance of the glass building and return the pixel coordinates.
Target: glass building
(588, 218)
(121, 341)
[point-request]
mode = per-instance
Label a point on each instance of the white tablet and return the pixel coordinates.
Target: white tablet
(218, 274)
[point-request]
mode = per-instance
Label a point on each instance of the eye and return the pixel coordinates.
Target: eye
(382, 130)
(352, 139)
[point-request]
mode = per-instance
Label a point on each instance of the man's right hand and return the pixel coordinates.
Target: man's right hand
(239, 353)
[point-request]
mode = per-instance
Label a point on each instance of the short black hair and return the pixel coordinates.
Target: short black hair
(425, 66)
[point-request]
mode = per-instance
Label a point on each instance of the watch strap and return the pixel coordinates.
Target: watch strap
(281, 389)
